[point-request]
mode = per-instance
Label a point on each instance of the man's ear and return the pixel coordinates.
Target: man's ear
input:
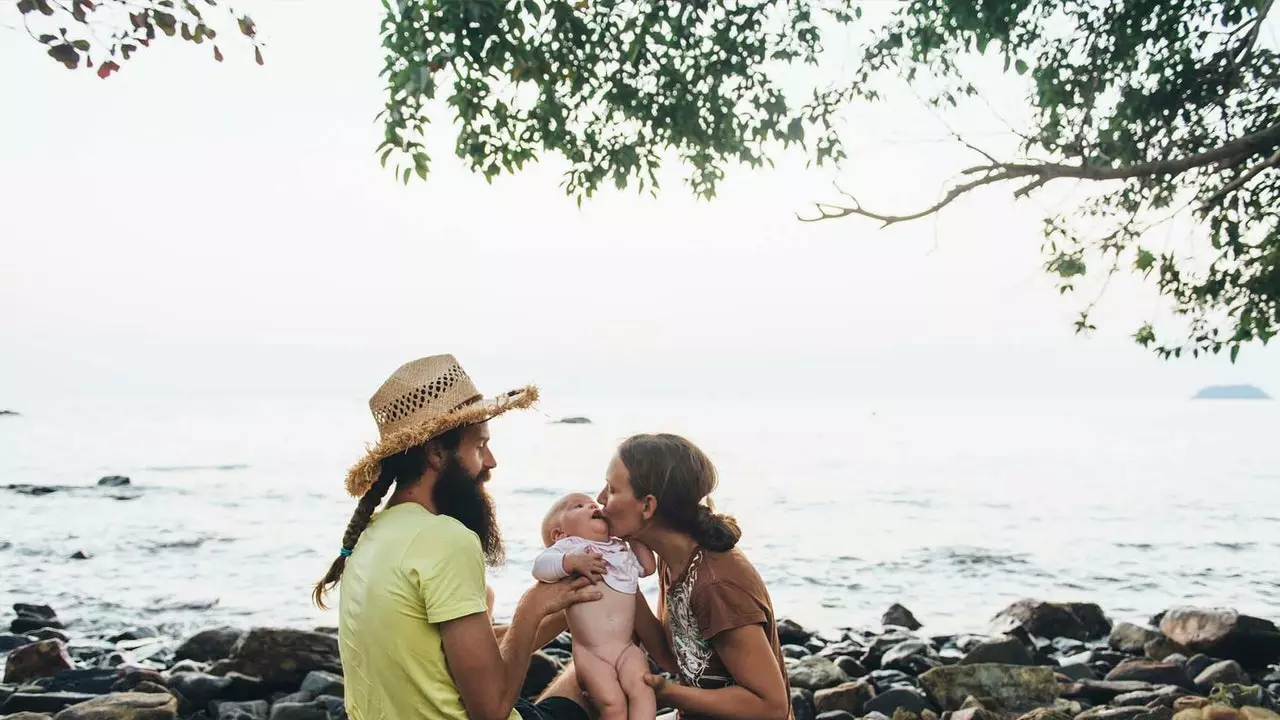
(649, 508)
(435, 457)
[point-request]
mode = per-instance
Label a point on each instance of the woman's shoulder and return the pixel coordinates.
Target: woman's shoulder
(728, 567)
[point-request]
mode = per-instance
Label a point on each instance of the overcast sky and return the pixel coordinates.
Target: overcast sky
(189, 226)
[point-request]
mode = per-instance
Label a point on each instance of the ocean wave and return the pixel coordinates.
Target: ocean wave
(1233, 545)
(1134, 545)
(192, 468)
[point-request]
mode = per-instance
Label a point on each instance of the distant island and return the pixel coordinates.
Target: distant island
(573, 421)
(1232, 392)
(9, 412)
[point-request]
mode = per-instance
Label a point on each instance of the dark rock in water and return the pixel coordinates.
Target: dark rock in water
(1227, 671)
(94, 682)
(846, 648)
(814, 645)
(254, 710)
(791, 633)
(9, 641)
(209, 645)
(322, 683)
(1198, 664)
(34, 490)
(1014, 687)
(34, 617)
(114, 481)
(573, 421)
(44, 658)
(795, 652)
(1007, 651)
(1151, 671)
(850, 666)
(885, 679)
(1068, 646)
(51, 634)
(134, 633)
(837, 715)
(1223, 633)
(890, 701)
(899, 616)
(314, 710)
(542, 670)
(283, 657)
(912, 657)
(48, 703)
(1080, 621)
(816, 673)
(200, 688)
(1103, 691)
(1129, 638)
(9, 413)
(133, 706)
(81, 555)
(802, 705)
(850, 697)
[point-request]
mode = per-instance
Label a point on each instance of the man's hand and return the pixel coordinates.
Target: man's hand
(589, 564)
(658, 683)
(545, 599)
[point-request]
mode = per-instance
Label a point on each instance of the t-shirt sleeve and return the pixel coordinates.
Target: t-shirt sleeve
(723, 605)
(448, 566)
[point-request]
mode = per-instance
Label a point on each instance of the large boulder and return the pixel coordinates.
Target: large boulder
(45, 658)
(816, 673)
(1081, 621)
(1129, 638)
(283, 657)
(124, 706)
(209, 645)
(1014, 687)
(850, 697)
(1223, 633)
(899, 616)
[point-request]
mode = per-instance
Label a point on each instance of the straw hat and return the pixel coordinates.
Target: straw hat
(421, 400)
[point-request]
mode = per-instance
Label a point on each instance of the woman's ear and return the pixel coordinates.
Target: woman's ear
(649, 508)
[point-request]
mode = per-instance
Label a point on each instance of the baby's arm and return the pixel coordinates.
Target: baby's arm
(554, 564)
(648, 564)
(550, 566)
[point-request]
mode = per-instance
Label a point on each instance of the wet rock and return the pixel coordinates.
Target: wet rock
(1198, 664)
(795, 652)
(791, 633)
(1165, 696)
(851, 666)
(81, 555)
(1110, 713)
(28, 716)
(976, 713)
(1077, 671)
(1052, 620)
(1046, 713)
(889, 701)
(94, 682)
(1223, 633)
(850, 697)
(114, 481)
(134, 634)
(48, 703)
(1151, 671)
(802, 705)
(846, 648)
(209, 645)
(1190, 702)
(34, 490)
(885, 679)
(1015, 687)
(188, 666)
(1127, 637)
(816, 673)
(1162, 647)
(44, 658)
(283, 657)
(1069, 646)
(34, 617)
(314, 710)
(1227, 671)
(200, 688)
(337, 706)
(899, 616)
(1005, 651)
(228, 710)
(1214, 712)
(1103, 691)
(124, 706)
(51, 634)
(542, 670)
(839, 715)
(322, 683)
(9, 641)
(912, 656)
(814, 645)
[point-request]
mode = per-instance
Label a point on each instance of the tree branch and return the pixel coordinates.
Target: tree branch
(1040, 174)
(1241, 181)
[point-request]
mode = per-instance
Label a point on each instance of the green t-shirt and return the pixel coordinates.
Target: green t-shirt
(409, 572)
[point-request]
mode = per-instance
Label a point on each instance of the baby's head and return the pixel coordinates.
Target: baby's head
(574, 515)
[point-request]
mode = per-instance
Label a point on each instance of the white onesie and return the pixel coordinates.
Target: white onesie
(622, 567)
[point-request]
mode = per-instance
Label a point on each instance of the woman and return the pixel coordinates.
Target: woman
(717, 632)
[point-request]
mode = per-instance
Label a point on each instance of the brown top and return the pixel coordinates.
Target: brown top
(716, 593)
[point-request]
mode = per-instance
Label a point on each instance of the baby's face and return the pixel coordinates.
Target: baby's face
(582, 517)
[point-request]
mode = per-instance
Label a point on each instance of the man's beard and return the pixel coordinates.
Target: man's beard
(462, 496)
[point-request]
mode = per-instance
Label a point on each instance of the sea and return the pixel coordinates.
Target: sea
(953, 508)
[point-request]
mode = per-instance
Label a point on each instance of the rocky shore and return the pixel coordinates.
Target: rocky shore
(1041, 661)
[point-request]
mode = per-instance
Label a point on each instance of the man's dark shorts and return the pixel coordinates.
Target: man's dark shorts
(552, 708)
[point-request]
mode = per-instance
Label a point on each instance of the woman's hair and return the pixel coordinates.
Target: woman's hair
(680, 476)
(404, 469)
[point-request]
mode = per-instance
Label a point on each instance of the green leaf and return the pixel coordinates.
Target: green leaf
(1146, 260)
(1020, 66)
(1235, 350)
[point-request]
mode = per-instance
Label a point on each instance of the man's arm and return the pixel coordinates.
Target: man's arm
(548, 629)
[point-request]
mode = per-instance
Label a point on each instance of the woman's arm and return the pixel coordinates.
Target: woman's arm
(652, 636)
(760, 692)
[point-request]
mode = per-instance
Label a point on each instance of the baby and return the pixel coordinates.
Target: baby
(610, 666)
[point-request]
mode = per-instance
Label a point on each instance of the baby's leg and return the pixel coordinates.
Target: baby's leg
(599, 678)
(633, 665)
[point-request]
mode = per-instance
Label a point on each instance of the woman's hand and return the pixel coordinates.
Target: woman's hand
(545, 599)
(589, 564)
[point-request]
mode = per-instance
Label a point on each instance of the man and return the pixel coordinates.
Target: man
(414, 628)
